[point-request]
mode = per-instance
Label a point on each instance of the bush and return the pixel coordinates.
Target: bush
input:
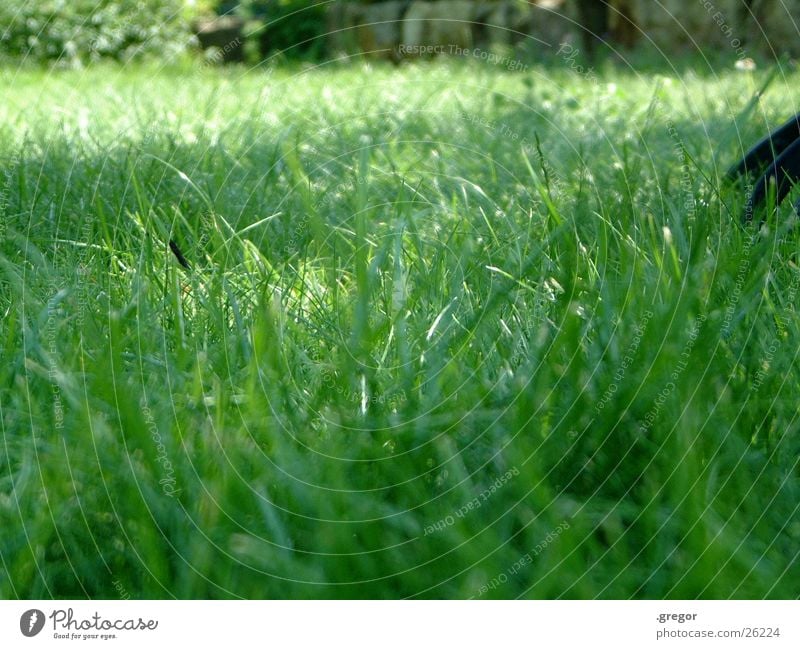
(76, 31)
(295, 27)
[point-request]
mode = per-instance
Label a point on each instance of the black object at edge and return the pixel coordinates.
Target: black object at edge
(777, 158)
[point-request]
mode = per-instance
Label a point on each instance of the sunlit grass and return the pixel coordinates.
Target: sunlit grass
(447, 332)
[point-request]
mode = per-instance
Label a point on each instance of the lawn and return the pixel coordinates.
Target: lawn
(447, 331)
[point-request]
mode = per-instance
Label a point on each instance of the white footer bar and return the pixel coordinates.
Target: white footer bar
(401, 625)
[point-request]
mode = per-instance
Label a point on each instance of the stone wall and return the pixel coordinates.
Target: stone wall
(740, 27)
(775, 26)
(398, 29)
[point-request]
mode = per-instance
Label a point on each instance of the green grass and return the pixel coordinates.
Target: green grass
(448, 332)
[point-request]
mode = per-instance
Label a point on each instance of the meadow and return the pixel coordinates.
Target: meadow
(447, 330)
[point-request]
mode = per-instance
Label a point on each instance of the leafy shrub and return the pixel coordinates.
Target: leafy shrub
(76, 31)
(295, 27)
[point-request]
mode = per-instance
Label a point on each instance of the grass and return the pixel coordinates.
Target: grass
(448, 331)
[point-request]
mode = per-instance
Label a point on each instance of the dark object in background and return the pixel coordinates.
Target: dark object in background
(777, 159)
(595, 22)
(622, 25)
(225, 34)
(296, 27)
